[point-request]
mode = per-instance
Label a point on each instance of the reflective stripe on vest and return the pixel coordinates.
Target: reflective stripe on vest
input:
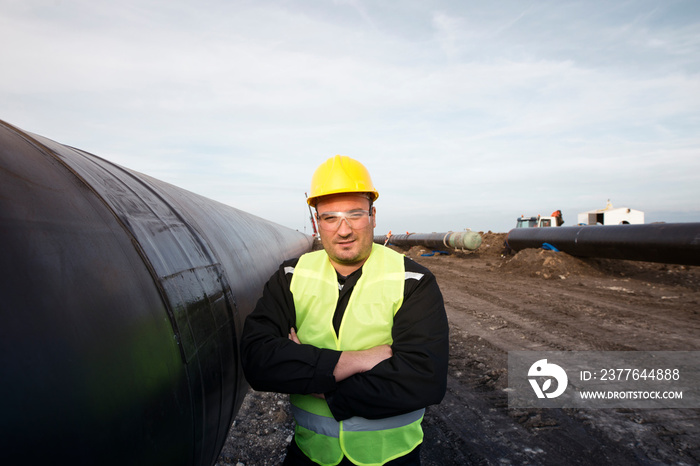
(331, 428)
(367, 322)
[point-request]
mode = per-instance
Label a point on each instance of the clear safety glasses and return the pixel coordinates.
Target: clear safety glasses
(356, 219)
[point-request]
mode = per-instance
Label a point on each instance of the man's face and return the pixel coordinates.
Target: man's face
(347, 247)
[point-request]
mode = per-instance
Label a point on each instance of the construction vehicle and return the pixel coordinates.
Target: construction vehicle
(554, 220)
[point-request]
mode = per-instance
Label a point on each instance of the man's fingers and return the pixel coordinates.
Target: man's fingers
(293, 336)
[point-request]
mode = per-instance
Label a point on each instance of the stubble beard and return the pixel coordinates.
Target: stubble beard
(350, 254)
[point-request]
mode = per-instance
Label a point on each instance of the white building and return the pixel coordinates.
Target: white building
(611, 216)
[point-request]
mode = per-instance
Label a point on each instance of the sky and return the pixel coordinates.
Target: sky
(467, 114)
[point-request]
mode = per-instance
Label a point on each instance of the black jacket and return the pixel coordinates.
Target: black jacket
(413, 378)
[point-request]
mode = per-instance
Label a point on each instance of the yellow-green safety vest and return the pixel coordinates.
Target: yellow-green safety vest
(367, 322)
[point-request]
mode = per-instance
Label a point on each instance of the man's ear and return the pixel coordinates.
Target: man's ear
(374, 217)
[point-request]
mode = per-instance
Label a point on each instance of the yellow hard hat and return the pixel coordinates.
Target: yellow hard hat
(341, 174)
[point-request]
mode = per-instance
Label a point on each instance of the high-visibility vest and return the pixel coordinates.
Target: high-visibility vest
(367, 322)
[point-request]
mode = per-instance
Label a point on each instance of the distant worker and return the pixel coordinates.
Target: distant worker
(559, 217)
(356, 333)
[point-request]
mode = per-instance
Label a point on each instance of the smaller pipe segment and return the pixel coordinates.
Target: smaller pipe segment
(468, 240)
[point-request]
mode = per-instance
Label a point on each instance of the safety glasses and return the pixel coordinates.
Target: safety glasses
(356, 219)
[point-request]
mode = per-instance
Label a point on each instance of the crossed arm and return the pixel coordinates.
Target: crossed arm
(354, 362)
(378, 382)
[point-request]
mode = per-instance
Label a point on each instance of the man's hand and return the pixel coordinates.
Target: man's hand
(354, 362)
(293, 336)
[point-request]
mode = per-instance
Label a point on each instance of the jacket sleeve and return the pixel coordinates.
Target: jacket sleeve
(416, 375)
(272, 362)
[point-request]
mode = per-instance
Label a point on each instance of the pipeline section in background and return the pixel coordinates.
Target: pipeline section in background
(670, 243)
(454, 239)
(123, 301)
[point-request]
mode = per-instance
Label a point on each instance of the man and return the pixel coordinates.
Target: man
(356, 333)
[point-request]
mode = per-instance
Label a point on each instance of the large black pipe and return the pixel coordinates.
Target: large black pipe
(123, 299)
(670, 243)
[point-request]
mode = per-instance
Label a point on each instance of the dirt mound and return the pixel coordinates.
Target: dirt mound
(656, 273)
(547, 264)
(560, 265)
(492, 244)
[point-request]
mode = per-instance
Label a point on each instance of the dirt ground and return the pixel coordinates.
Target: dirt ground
(533, 300)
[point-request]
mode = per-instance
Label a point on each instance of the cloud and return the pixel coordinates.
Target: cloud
(452, 105)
